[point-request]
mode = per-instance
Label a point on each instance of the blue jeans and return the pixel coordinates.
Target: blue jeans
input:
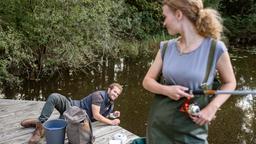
(55, 100)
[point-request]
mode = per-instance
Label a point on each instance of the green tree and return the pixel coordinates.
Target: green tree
(41, 37)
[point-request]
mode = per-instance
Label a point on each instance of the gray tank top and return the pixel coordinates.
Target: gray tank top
(189, 69)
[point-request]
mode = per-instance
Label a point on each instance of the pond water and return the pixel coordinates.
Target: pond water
(235, 122)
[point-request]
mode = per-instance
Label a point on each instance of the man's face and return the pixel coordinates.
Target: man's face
(114, 93)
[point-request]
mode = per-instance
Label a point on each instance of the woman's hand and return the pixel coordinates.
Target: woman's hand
(176, 92)
(205, 116)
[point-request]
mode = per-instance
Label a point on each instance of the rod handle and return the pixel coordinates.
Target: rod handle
(201, 92)
(195, 92)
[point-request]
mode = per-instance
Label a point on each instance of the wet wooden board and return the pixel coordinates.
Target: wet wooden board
(12, 112)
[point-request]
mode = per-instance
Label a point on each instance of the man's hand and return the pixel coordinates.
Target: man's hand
(115, 122)
(97, 116)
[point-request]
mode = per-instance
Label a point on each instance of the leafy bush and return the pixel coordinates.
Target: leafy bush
(142, 18)
(10, 49)
(239, 20)
(40, 37)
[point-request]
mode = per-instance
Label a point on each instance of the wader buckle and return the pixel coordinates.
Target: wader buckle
(204, 86)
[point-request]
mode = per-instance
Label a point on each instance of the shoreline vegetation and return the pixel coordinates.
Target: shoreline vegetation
(41, 38)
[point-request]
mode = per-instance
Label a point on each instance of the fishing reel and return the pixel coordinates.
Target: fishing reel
(193, 109)
(112, 116)
(190, 108)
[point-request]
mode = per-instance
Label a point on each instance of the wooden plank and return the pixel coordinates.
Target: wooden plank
(12, 112)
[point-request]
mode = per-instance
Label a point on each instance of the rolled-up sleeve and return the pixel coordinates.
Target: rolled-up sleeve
(97, 99)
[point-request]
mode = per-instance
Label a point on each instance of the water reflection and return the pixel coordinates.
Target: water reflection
(246, 73)
(235, 122)
(246, 104)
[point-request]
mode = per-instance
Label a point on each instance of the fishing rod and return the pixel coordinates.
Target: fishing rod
(215, 92)
(194, 109)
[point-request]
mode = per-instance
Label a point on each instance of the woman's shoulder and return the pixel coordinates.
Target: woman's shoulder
(167, 43)
(220, 46)
(165, 46)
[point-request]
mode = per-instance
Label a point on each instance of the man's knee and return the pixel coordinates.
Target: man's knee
(54, 96)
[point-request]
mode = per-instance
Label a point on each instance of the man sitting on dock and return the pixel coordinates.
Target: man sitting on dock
(98, 106)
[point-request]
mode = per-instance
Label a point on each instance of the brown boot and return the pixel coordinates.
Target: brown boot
(30, 122)
(37, 134)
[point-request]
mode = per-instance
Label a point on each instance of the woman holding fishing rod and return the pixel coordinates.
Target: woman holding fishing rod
(187, 63)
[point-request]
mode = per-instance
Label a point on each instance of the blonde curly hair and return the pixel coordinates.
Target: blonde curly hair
(207, 21)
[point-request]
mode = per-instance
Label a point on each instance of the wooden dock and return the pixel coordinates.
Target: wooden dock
(12, 112)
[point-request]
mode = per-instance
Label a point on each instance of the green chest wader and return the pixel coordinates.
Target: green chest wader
(167, 125)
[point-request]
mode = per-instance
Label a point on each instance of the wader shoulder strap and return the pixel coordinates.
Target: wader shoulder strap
(210, 60)
(165, 45)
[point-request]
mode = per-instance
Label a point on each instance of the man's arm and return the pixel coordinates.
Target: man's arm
(97, 116)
